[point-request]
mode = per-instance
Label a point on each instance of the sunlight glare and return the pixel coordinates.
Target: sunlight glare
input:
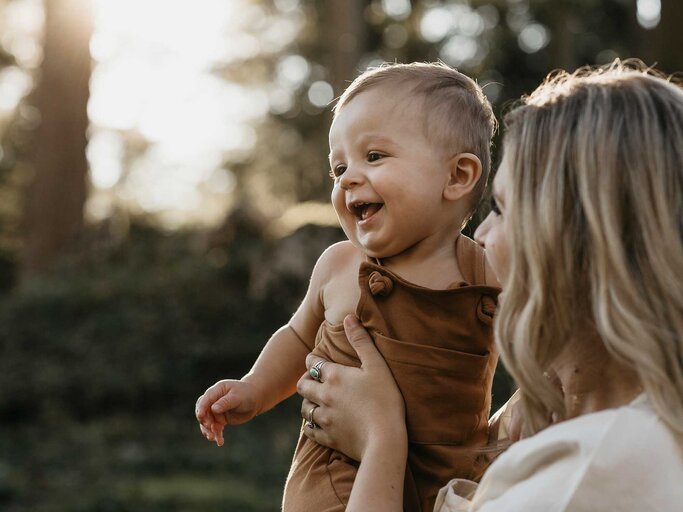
(119, 90)
(155, 83)
(21, 26)
(221, 181)
(14, 85)
(192, 30)
(287, 5)
(105, 154)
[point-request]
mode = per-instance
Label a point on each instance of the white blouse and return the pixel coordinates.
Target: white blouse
(623, 459)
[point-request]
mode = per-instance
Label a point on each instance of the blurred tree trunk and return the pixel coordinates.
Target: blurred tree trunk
(669, 37)
(662, 44)
(347, 40)
(56, 196)
(562, 27)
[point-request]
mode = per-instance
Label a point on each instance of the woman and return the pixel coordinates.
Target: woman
(586, 236)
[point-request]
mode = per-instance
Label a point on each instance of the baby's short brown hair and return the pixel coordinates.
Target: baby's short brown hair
(457, 114)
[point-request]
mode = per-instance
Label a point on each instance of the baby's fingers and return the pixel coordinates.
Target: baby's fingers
(202, 410)
(217, 432)
(226, 403)
(214, 434)
(207, 433)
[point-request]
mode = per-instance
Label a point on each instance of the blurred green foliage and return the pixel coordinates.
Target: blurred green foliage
(101, 364)
(103, 359)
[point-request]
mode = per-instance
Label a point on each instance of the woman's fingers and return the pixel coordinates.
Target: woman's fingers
(361, 342)
(318, 368)
(320, 436)
(309, 411)
(312, 360)
(311, 390)
(317, 433)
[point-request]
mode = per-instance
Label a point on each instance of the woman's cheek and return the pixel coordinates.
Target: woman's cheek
(498, 259)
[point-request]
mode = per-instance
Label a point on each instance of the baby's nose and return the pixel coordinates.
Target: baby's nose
(350, 178)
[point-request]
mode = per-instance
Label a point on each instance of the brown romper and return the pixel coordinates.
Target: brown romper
(438, 344)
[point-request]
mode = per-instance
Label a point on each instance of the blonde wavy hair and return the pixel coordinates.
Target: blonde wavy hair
(596, 239)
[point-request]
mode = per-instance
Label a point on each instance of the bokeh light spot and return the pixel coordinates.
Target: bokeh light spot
(459, 50)
(292, 70)
(533, 38)
(649, 13)
(397, 9)
(320, 93)
(395, 36)
(436, 24)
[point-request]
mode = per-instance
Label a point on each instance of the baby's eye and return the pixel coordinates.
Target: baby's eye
(494, 206)
(337, 171)
(373, 156)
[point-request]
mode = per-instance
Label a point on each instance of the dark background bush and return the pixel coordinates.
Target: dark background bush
(103, 360)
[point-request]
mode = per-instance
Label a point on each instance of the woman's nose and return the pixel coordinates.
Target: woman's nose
(481, 231)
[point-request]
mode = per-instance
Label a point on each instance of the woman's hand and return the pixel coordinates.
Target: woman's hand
(360, 412)
(357, 408)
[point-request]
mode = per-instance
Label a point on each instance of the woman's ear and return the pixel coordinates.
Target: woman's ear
(464, 172)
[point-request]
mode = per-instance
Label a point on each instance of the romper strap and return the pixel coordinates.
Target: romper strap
(471, 260)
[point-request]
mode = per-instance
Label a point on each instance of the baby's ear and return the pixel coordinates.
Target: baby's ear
(464, 172)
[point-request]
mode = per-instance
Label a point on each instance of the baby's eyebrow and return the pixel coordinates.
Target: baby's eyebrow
(378, 139)
(368, 138)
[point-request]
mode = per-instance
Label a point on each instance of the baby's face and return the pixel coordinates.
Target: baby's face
(389, 179)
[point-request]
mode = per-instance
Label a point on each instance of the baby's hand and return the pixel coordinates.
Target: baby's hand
(227, 402)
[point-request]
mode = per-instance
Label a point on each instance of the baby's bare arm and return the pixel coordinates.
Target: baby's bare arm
(283, 360)
(281, 363)
(278, 368)
(272, 379)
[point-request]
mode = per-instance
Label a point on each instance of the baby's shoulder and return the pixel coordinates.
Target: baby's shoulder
(339, 261)
(336, 274)
(339, 256)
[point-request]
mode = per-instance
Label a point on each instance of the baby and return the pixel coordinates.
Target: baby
(409, 155)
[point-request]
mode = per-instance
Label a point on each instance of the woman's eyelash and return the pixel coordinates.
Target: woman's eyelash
(494, 206)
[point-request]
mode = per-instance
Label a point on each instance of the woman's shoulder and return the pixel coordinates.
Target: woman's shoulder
(617, 459)
(632, 432)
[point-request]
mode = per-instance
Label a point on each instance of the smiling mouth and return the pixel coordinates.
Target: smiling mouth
(363, 211)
